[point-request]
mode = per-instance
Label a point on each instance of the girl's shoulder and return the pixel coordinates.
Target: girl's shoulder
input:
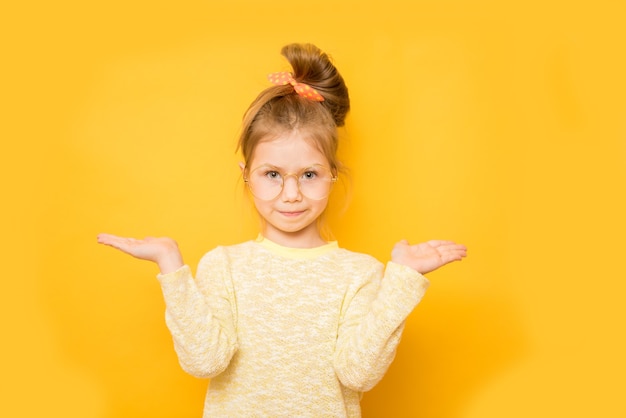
(226, 252)
(350, 254)
(347, 257)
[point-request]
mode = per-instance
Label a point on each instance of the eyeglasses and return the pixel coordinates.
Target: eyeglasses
(266, 182)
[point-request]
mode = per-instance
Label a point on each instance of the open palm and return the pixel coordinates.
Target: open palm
(427, 256)
(163, 250)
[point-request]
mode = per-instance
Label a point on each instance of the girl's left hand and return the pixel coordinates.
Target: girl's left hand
(427, 256)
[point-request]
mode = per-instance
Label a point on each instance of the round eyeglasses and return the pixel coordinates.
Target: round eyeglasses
(266, 182)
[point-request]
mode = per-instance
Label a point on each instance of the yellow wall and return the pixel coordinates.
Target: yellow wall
(498, 124)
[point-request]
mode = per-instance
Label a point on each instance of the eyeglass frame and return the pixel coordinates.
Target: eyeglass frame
(333, 180)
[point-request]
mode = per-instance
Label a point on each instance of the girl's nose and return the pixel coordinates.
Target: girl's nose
(291, 189)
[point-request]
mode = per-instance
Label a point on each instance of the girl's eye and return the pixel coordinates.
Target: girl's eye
(272, 175)
(309, 175)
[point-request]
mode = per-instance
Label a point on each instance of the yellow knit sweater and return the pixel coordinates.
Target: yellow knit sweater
(286, 332)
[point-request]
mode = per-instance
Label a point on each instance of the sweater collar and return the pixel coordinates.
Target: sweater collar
(302, 253)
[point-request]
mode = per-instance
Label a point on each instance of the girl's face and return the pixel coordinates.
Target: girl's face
(289, 218)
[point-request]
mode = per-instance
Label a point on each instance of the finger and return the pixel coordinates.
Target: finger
(398, 246)
(447, 246)
(445, 259)
(454, 247)
(453, 254)
(121, 243)
(118, 243)
(439, 242)
(109, 239)
(106, 238)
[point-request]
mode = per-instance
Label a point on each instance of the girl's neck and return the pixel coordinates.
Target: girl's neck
(299, 239)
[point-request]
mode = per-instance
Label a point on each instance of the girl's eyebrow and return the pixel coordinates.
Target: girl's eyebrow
(282, 169)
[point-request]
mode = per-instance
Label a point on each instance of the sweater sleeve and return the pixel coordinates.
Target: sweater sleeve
(372, 322)
(200, 315)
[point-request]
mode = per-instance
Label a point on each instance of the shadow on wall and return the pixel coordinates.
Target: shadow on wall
(449, 350)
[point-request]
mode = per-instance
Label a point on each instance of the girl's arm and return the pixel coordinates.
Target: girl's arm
(201, 315)
(199, 312)
(372, 324)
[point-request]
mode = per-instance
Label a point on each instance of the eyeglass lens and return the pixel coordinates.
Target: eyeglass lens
(267, 182)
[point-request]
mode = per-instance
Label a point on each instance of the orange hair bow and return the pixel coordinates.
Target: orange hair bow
(304, 90)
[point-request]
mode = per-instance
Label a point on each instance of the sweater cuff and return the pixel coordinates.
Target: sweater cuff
(411, 277)
(182, 272)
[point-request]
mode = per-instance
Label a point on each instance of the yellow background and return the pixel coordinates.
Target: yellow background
(498, 124)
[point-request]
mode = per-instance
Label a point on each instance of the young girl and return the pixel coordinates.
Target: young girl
(288, 324)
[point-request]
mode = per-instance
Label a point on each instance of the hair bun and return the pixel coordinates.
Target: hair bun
(314, 67)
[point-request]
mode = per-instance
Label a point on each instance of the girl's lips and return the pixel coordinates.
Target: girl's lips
(292, 214)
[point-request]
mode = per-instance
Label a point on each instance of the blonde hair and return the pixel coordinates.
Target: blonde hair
(278, 109)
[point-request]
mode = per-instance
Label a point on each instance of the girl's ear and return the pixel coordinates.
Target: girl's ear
(242, 166)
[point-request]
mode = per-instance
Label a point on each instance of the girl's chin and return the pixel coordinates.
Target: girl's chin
(292, 229)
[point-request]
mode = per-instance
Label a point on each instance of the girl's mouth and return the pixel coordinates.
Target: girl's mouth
(292, 214)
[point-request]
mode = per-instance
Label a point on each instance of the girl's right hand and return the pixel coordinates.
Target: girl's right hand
(163, 251)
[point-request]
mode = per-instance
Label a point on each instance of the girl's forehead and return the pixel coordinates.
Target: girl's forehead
(290, 151)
